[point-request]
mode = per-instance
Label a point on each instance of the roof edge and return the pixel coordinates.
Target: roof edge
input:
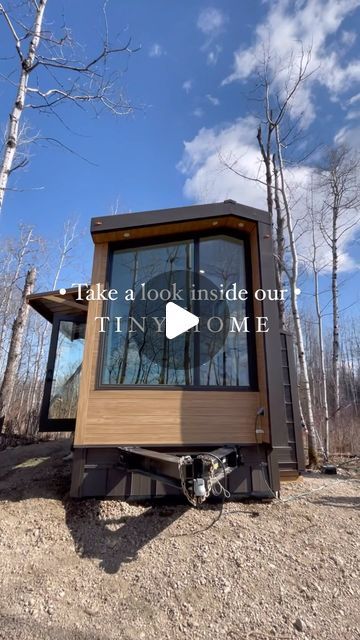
(102, 224)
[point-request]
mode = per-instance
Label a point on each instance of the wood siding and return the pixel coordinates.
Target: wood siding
(161, 416)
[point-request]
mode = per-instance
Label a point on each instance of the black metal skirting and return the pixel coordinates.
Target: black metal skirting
(96, 473)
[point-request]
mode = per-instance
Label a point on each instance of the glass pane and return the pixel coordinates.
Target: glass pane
(222, 260)
(69, 355)
(124, 361)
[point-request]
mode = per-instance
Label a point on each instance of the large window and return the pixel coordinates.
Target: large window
(124, 361)
(61, 390)
(64, 391)
(222, 260)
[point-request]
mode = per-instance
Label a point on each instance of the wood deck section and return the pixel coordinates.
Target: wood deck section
(164, 416)
(289, 475)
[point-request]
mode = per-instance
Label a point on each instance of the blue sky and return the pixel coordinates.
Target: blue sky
(190, 84)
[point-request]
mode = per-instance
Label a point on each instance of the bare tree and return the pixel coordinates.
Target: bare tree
(316, 268)
(275, 133)
(339, 181)
(65, 249)
(276, 102)
(14, 353)
(42, 54)
(292, 273)
(18, 254)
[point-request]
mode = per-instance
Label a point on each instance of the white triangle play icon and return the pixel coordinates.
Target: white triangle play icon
(178, 320)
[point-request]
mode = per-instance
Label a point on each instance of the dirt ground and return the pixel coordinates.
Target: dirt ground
(109, 570)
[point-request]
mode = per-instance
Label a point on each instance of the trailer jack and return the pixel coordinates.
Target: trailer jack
(197, 475)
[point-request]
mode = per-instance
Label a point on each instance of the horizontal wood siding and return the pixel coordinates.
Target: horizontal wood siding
(170, 417)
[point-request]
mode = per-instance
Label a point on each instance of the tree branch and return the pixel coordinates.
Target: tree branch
(85, 68)
(13, 32)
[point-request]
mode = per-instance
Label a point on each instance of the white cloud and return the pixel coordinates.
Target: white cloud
(156, 50)
(187, 86)
(213, 100)
(211, 21)
(198, 112)
(354, 99)
(348, 37)
(353, 115)
(213, 55)
(349, 136)
(208, 180)
(291, 27)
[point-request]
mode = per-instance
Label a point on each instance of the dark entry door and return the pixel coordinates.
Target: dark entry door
(61, 390)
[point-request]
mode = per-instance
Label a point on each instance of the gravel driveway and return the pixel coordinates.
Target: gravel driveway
(109, 570)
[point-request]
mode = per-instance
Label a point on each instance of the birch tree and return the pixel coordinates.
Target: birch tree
(65, 250)
(45, 57)
(317, 268)
(14, 354)
(339, 181)
(276, 131)
(292, 272)
(14, 258)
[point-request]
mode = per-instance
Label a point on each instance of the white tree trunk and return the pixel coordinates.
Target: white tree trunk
(293, 276)
(14, 355)
(12, 135)
(322, 357)
(280, 244)
(335, 305)
(25, 241)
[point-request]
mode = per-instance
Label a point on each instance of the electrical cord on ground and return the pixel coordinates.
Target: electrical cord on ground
(255, 513)
(218, 489)
(259, 413)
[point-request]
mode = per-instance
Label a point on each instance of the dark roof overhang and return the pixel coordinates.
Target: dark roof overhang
(107, 224)
(48, 303)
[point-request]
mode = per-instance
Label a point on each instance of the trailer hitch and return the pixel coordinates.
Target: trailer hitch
(197, 475)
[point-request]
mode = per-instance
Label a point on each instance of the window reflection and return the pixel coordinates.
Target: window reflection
(125, 361)
(222, 260)
(65, 385)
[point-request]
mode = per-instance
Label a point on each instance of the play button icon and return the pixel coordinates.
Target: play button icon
(178, 320)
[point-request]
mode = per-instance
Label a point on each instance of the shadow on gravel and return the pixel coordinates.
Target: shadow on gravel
(345, 502)
(34, 471)
(115, 541)
(16, 628)
(39, 471)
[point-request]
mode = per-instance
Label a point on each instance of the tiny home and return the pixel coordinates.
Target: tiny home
(170, 366)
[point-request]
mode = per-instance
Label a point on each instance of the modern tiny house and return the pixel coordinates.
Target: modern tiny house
(154, 416)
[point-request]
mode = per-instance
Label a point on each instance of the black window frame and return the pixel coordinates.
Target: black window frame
(47, 424)
(194, 237)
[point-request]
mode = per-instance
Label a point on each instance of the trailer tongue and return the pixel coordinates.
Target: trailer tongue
(198, 476)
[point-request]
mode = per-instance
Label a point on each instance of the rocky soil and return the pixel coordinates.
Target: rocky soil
(107, 570)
